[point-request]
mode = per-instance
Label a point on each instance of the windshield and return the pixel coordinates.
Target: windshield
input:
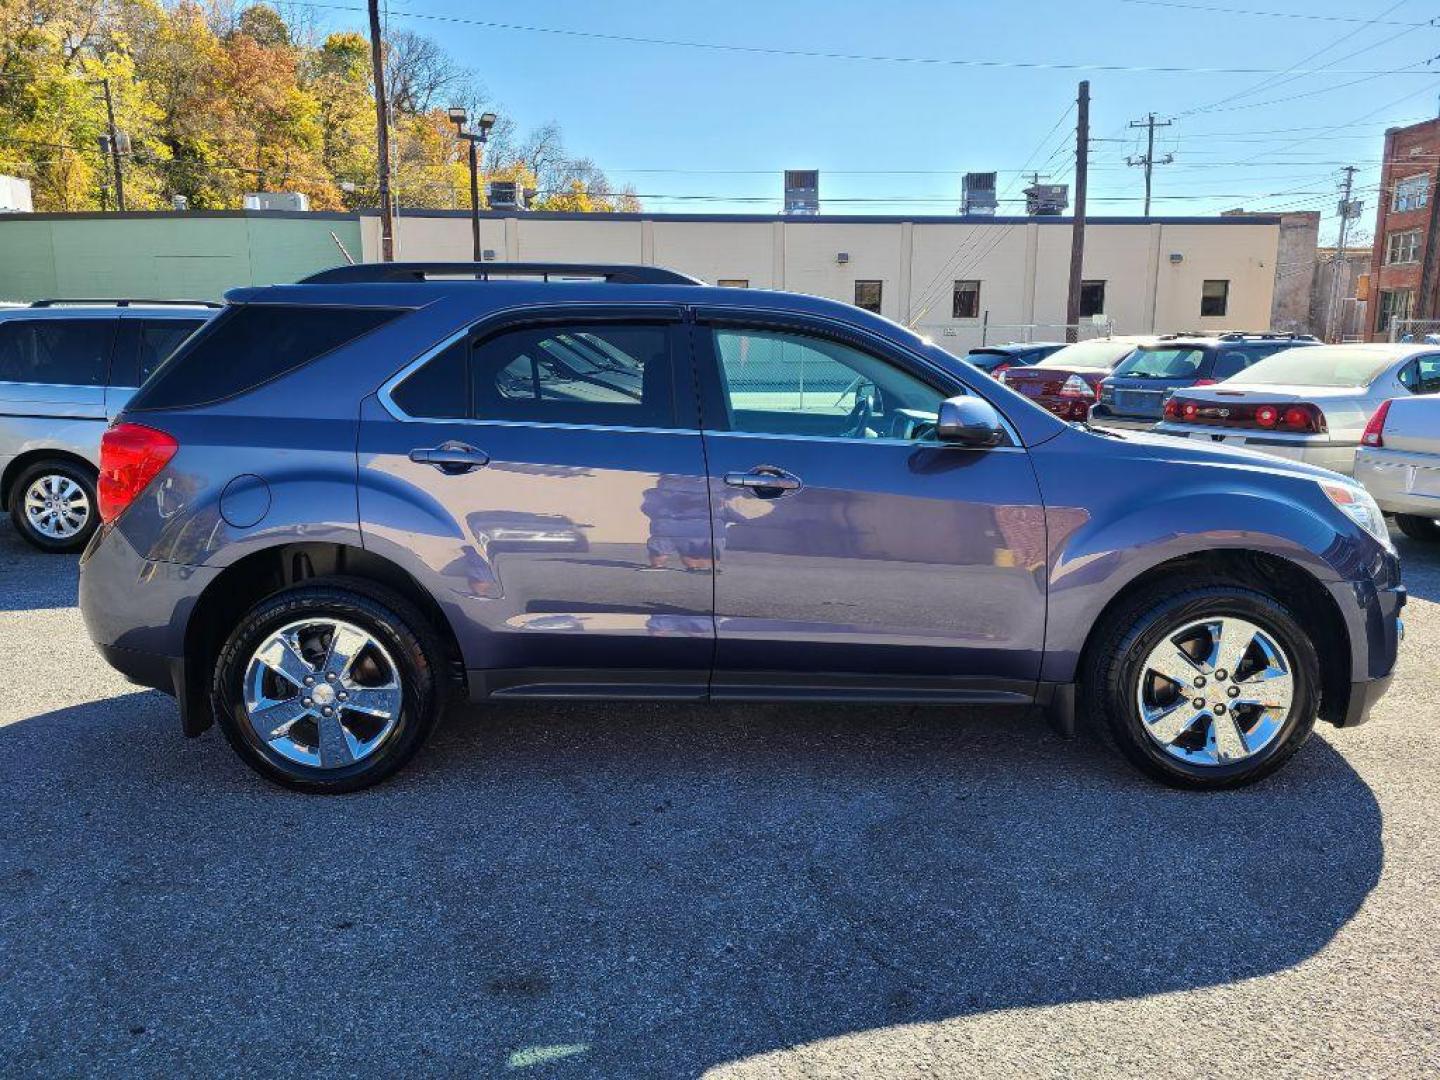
(1168, 363)
(1099, 355)
(1326, 365)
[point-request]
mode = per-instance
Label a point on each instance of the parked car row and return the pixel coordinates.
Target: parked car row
(1281, 394)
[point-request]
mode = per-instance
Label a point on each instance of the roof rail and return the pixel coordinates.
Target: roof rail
(425, 271)
(1265, 335)
(127, 302)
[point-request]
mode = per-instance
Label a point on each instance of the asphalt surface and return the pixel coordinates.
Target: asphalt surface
(676, 891)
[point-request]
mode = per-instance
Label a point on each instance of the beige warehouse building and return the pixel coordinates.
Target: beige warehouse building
(955, 279)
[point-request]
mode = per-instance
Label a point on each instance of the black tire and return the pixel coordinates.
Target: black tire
(1419, 528)
(393, 622)
(79, 474)
(1116, 655)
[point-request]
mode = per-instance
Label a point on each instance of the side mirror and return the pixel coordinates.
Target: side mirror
(969, 421)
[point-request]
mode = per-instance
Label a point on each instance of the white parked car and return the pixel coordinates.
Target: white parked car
(1399, 464)
(1310, 404)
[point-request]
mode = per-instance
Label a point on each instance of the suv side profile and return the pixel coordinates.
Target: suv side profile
(349, 501)
(66, 368)
(1136, 390)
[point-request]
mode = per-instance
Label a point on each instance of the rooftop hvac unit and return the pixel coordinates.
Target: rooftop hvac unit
(1046, 200)
(978, 194)
(507, 195)
(277, 200)
(802, 191)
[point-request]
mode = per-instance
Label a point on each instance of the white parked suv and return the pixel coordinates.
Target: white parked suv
(1399, 463)
(66, 368)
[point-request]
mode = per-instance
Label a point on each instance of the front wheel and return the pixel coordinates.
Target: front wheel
(1205, 688)
(1419, 528)
(329, 687)
(53, 505)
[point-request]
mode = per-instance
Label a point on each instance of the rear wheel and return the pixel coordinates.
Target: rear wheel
(329, 687)
(1419, 528)
(1214, 687)
(53, 505)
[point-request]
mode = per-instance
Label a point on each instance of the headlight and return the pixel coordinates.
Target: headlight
(1355, 502)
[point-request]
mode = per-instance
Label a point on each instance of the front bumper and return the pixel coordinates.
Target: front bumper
(1371, 608)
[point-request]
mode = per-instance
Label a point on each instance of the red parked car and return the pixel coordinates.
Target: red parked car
(1067, 382)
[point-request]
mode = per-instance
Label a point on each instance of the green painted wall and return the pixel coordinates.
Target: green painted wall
(164, 255)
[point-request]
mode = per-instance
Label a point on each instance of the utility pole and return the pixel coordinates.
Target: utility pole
(1348, 210)
(114, 147)
(1148, 160)
(382, 141)
(1077, 234)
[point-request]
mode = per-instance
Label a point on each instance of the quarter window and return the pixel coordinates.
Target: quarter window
(868, 295)
(1214, 297)
(59, 352)
(144, 344)
(965, 300)
(782, 383)
(437, 390)
(733, 283)
(1403, 247)
(1411, 193)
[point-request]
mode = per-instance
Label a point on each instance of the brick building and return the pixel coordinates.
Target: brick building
(1401, 262)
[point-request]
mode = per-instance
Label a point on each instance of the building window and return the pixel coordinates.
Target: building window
(1394, 304)
(733, 283)
(1092, 298)
(867, 295)
(966, 303)
(1403, 247)
(1411, 193)
(1214, 297)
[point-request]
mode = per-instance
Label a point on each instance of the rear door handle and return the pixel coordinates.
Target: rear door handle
(451, 458)
(767, 481)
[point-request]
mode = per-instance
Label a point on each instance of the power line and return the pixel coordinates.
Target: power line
(1217, 10)
(814, 54)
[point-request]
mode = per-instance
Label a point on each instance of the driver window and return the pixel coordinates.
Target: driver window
(778, 382)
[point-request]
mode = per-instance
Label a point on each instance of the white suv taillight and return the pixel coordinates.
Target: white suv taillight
(1375, 429)
(1077, 387)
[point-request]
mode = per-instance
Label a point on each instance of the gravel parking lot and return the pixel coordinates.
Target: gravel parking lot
(673, 891)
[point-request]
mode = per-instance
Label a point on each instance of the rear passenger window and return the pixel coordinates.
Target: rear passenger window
(250, 344)
(1233, 361)
(144, 344)
(73, 352)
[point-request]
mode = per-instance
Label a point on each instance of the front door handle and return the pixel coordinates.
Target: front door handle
(767, 481)
(451, 458)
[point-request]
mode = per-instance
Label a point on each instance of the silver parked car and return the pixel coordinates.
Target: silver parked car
(1309, 405)
(66, 368)
(1399, 464)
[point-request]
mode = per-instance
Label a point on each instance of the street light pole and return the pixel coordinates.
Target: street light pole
(477, 140)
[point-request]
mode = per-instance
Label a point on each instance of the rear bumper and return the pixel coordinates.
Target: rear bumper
(1337, 457)
(136, 611)
(1401, 483)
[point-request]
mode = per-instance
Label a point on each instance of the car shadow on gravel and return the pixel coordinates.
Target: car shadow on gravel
(628, 889)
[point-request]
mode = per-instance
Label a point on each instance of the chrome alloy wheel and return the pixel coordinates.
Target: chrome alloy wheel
(1215, 691)
(56, 506)
(322, 692)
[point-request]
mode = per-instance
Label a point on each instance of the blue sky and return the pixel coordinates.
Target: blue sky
(722, 125)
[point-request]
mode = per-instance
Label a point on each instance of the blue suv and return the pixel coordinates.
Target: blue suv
(347, 502)
(1136, 390)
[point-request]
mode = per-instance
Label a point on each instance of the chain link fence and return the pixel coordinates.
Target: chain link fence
(1426, 330)
(961, 339)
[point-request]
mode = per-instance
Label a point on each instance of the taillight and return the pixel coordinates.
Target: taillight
(1076, 387)
(131, 455)
(1205, 382)
(1172, 409)
(1267, 416)
(1304, 418)
(999, 372)
(1375, 429)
